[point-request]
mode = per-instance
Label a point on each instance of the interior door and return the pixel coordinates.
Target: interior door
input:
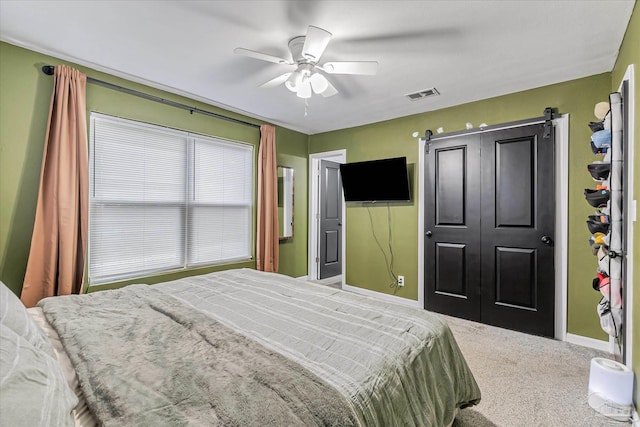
(489, 228)
(518, 219)
(452, 224)
(330, 259)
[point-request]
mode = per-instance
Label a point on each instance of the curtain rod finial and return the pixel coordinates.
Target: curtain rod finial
(48, 69)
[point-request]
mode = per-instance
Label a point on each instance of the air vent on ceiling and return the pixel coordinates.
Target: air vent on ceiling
(422, 94)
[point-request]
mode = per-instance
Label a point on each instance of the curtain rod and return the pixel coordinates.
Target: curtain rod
(48, 70)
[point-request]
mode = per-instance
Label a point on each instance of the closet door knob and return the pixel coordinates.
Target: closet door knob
(428, 234)
(546, 240)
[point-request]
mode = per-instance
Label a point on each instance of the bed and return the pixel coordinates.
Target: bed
(232, 348)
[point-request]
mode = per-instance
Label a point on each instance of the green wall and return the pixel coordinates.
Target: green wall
(365, 266)
(292, 152)
(24, 107)
(630, 54)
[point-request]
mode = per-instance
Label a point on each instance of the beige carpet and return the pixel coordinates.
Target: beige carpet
(526, 380)
(334, 282)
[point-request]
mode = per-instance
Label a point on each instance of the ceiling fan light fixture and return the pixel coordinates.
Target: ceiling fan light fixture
(318, 82)
(329, 91)
(309, 76)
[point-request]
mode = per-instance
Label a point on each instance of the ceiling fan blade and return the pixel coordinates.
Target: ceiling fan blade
(276, 81)
(315, 43)
(329, 91)
(351, 67)
(261, 56)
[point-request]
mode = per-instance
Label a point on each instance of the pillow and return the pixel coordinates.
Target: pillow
(14, 315)
(33, 389)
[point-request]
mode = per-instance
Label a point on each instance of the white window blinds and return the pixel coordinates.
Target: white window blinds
(162, 199)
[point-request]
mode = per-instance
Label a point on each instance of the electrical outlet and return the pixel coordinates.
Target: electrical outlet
(400, 280)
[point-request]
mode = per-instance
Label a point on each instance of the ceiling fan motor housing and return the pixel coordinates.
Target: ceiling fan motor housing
(295, 46)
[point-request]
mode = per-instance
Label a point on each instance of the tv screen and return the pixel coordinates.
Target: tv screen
(384, 180)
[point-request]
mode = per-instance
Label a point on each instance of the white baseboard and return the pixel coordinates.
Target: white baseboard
(303, 277)
(382, 296)
(588, 342)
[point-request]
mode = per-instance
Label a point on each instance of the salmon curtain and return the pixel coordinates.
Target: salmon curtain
(267, 241)
(59, 240)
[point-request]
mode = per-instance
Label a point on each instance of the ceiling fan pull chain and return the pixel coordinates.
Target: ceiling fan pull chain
(306, 107)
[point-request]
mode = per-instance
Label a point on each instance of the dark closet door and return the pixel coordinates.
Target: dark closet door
(452, 224)
(489, 222)
(518, 223)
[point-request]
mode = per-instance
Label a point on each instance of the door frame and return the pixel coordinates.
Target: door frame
(561, 129)
(337, 156)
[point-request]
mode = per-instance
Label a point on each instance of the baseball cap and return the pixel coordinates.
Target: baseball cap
(602, 138)
(596, 126)
(599, 170)
(597, 225)
(596, 198)
(598, 150)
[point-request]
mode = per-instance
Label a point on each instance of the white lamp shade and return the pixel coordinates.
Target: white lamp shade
(304, 89)
(319, 83)
(293, 82)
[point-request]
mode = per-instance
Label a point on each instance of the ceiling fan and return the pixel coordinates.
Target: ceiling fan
(307, 77)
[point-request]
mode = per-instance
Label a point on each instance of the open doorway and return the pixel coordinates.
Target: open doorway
(326, 217)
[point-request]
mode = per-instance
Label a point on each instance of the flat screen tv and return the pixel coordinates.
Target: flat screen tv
(384, 180)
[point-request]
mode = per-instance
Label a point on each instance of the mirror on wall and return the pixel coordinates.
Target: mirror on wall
(285, 202)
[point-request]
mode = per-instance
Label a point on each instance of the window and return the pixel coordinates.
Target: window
(162, 199)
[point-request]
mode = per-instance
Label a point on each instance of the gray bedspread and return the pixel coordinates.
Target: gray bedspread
(397, 366)
(144, 358)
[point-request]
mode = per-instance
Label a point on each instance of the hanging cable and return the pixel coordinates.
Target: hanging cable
(395, 278)
(388, 264)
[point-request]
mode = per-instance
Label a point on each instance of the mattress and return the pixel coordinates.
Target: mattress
(395, 365)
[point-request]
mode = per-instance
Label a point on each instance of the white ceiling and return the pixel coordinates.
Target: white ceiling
(468, 50)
